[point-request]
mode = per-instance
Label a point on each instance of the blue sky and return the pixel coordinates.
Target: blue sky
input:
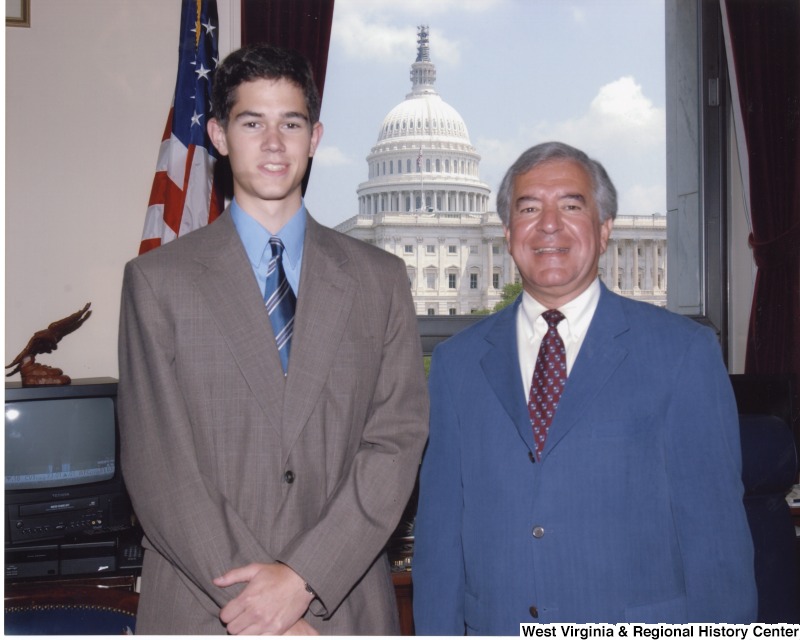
(586, 72)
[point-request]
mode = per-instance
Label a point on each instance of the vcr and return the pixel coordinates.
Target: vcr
(42, 521)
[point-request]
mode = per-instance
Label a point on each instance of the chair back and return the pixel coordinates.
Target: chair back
(70, 610)
(769, 470)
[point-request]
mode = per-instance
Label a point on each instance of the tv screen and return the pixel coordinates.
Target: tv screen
(61, 442)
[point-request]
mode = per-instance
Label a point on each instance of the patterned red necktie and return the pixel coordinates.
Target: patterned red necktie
(549, 376)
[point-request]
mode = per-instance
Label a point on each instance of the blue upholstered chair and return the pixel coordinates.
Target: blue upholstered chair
(66, 610)
(769, 470)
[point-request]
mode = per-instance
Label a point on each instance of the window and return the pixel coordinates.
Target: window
(496, 280)
(451, 280)
(452, 311)
(431, 311)
(430, 249)
(669, 65)
(430, 278)
(473, 249)
(408, 249)
(452, 250)
(473, 280)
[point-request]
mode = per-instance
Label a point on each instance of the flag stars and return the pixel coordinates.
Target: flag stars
(196, 117)
(209, 27)
(202, 72)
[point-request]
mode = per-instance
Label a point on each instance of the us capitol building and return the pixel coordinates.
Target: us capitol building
(424, 201)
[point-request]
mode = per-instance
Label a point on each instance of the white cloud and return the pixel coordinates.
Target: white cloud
(376, 40)
(331, 157)
(620, 115)
(387, 30)
(626, 132)
(416, 7)
(578, 15)
(373, 40)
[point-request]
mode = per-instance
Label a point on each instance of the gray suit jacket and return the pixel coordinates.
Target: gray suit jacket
(228, 462)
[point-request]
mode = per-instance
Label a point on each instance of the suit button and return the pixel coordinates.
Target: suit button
(289, 477)
(538, 532)
(531, 457)
(534, 612)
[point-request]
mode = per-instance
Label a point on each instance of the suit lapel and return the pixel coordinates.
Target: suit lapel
(599, 357)
(501, 366)
(324, 305)
(233, 300)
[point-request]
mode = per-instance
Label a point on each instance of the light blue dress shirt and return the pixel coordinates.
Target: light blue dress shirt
(255, 239)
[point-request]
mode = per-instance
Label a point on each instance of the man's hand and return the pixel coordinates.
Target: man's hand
(274, 599)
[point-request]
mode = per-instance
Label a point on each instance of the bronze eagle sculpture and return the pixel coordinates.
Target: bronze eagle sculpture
(45, 341)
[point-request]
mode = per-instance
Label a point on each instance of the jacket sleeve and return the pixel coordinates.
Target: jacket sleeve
(184, 516)
(438, 553)
(704, 470)
(366, 506)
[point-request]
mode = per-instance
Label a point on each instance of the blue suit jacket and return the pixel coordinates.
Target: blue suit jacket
(634, 513)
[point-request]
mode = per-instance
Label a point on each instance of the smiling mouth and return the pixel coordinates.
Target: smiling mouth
(549, 250)
(274, 167)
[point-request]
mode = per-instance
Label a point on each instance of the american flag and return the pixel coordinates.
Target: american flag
(184, 196)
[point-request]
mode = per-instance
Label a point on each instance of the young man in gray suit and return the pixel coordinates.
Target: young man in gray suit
(267, 481)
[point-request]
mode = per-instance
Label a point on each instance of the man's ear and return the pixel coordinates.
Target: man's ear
(218, 136)
(316, 135)
(605, 234)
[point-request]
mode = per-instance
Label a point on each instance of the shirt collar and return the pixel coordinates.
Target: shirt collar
(255, 238)
(578, 314)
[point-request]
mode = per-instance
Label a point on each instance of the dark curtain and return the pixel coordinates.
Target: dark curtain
(302, 25)
(765, 40)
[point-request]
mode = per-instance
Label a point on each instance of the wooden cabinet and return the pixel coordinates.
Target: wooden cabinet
(404, 590)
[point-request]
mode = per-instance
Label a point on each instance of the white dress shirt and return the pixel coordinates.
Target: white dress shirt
(531, 327)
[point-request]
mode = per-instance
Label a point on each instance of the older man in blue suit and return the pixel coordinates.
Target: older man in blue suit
(584, 460)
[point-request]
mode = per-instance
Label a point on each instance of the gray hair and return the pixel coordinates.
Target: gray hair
(605, 194)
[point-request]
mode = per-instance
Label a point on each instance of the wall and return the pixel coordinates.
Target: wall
(88, 90)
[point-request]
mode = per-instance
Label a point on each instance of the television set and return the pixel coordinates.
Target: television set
(63, 482)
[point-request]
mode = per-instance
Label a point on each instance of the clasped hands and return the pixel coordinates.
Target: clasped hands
(272, 603)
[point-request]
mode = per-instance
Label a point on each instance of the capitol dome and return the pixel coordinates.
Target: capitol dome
(423, 159)
(425, 115)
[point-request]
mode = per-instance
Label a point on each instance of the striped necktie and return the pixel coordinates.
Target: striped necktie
(549, 377)
(280, 302)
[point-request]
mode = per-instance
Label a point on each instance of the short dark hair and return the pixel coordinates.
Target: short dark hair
(605, 194)
(257, 62)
